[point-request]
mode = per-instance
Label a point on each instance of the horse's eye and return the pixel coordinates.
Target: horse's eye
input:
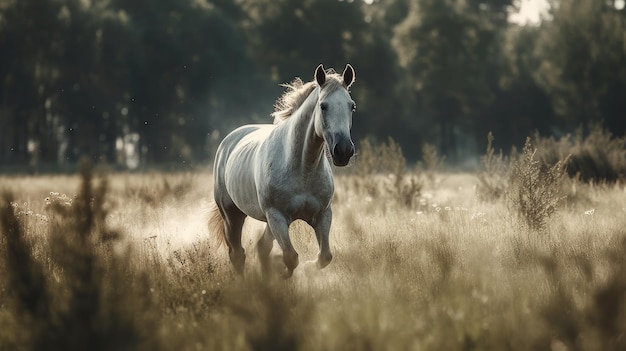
(324, 106)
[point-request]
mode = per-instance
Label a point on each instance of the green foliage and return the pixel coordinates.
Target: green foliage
(447, 47)
(85, 77)
(581, 53)
(157, 75)
(535, 192)
(522, 100)
(270, 27)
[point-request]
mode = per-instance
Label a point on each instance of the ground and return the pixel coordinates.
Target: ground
(445, 271)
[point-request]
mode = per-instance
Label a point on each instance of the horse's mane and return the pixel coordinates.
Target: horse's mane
(297, 92)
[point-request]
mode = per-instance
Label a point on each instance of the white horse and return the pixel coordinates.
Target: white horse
(278, 173)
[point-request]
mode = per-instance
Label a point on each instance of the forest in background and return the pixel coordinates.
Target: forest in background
(145, 82)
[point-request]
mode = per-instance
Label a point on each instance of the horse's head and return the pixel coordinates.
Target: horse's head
(333, 114)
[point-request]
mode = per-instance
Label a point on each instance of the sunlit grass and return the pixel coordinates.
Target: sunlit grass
(449, 272)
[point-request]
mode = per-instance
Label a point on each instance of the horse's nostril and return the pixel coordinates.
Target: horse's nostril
(343, 150)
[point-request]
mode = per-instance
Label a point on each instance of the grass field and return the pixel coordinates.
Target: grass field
(128, 263)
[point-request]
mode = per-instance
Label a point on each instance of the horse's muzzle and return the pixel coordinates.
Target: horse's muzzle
(342, 151)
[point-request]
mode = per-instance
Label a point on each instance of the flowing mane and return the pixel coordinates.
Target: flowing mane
(297, 91)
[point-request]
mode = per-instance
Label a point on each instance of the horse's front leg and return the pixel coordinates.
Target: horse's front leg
(321, 225)
(279, 226)
(264, 247)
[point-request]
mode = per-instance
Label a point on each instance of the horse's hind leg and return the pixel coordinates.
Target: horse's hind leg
(233, 220)
(264, 246)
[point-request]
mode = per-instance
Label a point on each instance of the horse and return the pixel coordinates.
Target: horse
(278, 173)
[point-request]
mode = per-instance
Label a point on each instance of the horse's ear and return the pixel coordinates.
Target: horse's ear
(320, 75)
(348, 75)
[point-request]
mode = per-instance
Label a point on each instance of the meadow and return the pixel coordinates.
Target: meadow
(516, 256)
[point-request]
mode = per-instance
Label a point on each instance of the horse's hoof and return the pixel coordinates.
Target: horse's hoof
(310, 266)
(310, 269)
(287, 274)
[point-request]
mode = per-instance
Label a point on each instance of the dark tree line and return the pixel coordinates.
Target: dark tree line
(162, 80)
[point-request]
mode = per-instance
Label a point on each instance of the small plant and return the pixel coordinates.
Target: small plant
(432, 162)
(535, 192)
(387, 159)
(267, 317)
(24, 287)
(405, 187)
(157, 193)
(95, 301)
(368, 166)
(368, 159)
(493, 179)
(598, 323)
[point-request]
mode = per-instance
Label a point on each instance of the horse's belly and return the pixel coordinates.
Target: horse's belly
(239, 180)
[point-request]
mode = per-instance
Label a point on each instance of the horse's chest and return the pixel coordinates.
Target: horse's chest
(302, 198)
(305, 206)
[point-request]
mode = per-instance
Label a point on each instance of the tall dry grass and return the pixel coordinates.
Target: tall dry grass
(124, 262)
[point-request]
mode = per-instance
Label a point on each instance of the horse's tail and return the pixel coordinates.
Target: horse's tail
(216, 224)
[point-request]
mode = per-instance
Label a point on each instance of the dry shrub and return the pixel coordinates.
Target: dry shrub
(75, 293)
(582, 311)
(368, 158)
(383, 172)
(599, 157)
(535, 192)
(432, 163)
(533, 189)
(493, 179)
(272, 315)
(24, 287)
(158, 192)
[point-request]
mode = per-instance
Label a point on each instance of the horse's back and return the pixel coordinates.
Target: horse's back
(234, 167)
(245, 137)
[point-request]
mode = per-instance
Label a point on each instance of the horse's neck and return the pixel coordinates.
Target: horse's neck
(307, 149)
